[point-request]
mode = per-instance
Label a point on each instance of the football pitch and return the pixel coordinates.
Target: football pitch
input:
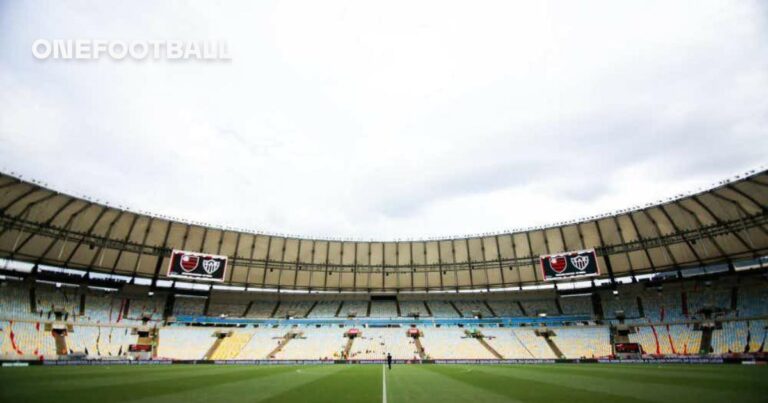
(373, 383)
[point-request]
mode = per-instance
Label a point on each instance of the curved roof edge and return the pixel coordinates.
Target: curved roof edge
(118, 206)
(721, 224)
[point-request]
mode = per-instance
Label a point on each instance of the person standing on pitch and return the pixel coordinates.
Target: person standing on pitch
(389, 360)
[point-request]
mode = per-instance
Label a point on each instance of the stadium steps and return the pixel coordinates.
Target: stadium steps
(706, 340)
(205, 308)
(493, 313)
(248, 309)
(306, 315)
(656, 339)
(426, 306)
(32, 300)
(489, 348)
(348, 347)
(274, 311)
(519, 305)
(284, 342)
(420, 348)
(368, 311)
(338, 310)
(558, 306)
(597, 305)
(397, 306)
(231, 346)
(553, 347)
(212, 351)
(456, 309)
(61, 344)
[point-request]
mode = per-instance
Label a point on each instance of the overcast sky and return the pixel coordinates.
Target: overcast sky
(389, 119)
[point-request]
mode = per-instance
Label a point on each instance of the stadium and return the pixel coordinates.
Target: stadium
(383, 201)
(681, 282)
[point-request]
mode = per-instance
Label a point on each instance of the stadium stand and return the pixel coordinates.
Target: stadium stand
(469, 308)
(506, 343)
(188, 306)
(261, 309)
(383, 309)
(226, 309)
(452, 343)
(537, 307)
(443, 309)
(354, 308)
(185, 343)
(297, 309)
(409, 308)
(375, 343)
(506, 308)
(576, 305)
(325, 309)
(314, 343)
(263, 341)
(583, 341)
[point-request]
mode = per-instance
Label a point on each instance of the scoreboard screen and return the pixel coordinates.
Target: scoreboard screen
(582, 263)
(197, 266)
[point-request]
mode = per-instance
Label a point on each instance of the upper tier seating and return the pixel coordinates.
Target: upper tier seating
(407, 308)
(753, 301)
(14, 302)
(227, 309)
(506, 308)
(580, 305)
(325, 309)
(536, 307)
(383, 309)
(442, 309)
(296, 309)
(662, 306)
(261, 309)
(188, 306)
(354, 308)
(468, 308)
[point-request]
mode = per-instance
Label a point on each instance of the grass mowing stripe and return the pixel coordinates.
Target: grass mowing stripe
(414, 383)
(636, 387)
(655, 377)
(353, 383)
(146, 388)
(526, 388)
(252, 389)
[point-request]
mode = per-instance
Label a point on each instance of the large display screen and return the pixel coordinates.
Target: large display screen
(197, 266)
(582, 263)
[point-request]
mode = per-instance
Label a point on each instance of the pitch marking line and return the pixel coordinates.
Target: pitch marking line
(384, 384)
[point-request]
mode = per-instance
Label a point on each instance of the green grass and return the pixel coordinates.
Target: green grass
(405, 383)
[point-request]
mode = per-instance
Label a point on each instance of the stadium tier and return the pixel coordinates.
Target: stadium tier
(686, 277)
(725, 315)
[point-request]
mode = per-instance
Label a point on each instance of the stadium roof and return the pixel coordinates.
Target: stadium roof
(42, 226)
